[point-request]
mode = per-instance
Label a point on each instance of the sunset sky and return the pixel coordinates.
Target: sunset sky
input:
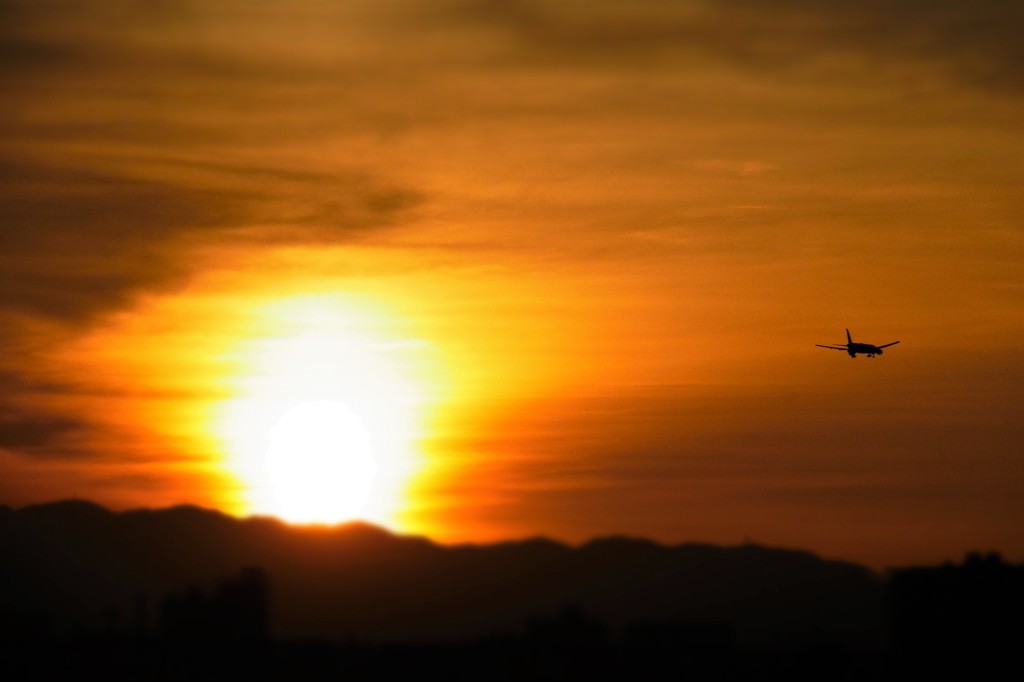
(565, 263)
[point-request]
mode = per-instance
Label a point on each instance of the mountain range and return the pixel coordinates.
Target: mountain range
(77, 566)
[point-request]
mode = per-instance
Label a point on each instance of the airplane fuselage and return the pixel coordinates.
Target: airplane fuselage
(865, 348)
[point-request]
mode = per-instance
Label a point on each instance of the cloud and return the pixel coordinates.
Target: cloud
(81, 239)
(977, 42)
(132, 133)
(75, 240)
(34, 433)
(28, 427)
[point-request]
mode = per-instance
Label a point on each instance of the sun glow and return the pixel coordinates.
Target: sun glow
(330, 402)
(320, 462)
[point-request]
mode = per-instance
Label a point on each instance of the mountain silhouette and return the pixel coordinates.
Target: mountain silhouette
(77, 566)
(192, 594)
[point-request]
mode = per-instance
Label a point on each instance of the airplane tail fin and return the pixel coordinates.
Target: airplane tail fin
(848, 339)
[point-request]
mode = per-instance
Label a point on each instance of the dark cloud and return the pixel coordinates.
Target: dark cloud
(234, 50)
(78, 240)
(126, 139)
(35, 434)
(27, 428)
(54, 206)
(975, 42)
(178, 95)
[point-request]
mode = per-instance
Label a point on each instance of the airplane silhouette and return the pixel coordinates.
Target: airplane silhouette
(852, 348)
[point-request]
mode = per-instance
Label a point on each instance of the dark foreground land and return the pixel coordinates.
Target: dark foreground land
(189, 594)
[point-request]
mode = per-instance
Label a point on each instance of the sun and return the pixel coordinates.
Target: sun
(325, 411)
(320, 462)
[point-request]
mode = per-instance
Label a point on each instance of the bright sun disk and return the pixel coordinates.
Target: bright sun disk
(320, 462)
(326, 413)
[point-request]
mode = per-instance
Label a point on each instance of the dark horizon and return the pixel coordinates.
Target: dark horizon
(320, 527)
(186, 587)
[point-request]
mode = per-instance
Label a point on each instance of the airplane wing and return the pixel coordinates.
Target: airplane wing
(834, 347)
(889, 344)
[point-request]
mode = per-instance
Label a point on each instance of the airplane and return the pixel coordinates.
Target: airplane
(853, 348)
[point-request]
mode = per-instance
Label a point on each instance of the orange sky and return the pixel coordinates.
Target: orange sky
(568, 261)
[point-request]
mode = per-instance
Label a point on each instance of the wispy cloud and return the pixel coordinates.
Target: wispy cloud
(975, 43)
